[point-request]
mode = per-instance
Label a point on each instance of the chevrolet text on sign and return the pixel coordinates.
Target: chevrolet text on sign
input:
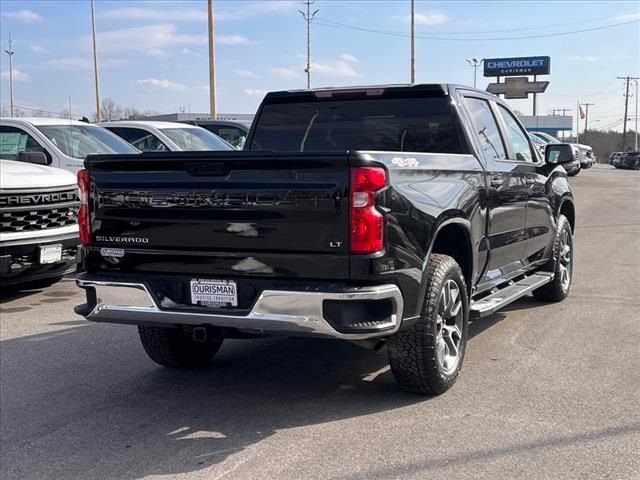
(504, 67)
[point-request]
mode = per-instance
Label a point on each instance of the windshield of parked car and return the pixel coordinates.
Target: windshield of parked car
(547, 138)
(78, 141)
(385, 124)
(195, 139)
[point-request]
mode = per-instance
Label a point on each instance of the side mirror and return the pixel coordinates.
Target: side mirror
(558, 153)
(39, 158)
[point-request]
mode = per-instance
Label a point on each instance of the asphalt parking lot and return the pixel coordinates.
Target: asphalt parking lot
(548, 391)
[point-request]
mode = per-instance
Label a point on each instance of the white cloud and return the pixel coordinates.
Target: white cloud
(163, 83)
(427, 18)
(349, 58)
(244, 11)
(629, 16)
(584, 58)
(338, 68)
(155, 15)
(70, 63)
(186, 51)
(287, 72)
(233, 40)
(80, 63)
(26, 16)
(37, 48)
(18, 75)
(255, 92)
(151, 39)
(244, 73)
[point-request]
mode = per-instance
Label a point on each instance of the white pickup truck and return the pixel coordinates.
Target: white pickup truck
(38, 223)
(56, 142)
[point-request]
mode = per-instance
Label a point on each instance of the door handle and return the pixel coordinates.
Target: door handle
(529, 180)
(496, 182)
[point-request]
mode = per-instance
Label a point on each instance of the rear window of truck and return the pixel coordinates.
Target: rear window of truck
(427, 124)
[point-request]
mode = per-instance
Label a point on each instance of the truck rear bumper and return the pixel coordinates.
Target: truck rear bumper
(354, 313)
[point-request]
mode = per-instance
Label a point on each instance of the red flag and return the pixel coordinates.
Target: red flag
(581, 113)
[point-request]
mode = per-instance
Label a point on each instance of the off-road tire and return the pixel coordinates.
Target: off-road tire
(175, 347)
(555, 291)
(413, 352)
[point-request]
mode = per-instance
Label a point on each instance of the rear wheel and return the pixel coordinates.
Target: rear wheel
(561, 265)
(427, 357)
(176, 347)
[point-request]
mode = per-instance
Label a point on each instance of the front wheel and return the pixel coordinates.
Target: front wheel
(561, 265)
(176, 347)
(427, 357)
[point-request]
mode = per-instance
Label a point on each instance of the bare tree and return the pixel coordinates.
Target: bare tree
(110, 110)
(129, 113)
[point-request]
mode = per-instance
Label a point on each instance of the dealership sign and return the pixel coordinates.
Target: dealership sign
(504, 67)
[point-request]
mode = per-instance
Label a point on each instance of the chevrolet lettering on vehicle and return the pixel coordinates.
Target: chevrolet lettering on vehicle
(37, 198)
(110, 239)
(209, 199)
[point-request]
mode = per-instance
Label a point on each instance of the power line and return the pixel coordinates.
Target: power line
(330, 23)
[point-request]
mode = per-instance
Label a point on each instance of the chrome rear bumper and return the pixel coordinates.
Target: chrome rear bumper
(296, 313)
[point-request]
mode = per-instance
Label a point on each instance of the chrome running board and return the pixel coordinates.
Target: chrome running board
(506, 295)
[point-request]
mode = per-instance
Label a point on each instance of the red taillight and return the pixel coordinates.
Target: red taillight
(84, 220)
(367, 223)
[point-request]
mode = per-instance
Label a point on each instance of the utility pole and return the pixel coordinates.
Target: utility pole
(475, 63)
(627, 79)
(586, 119)
(413, 42)
(308, 17)
(95, 59)
(10, 52)
(212, 63)
(636, 144)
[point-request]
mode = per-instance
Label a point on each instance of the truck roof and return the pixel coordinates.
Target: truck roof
(441, 88)
(38, 121)
(146, 123)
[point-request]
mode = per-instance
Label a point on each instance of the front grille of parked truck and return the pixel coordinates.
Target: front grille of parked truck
(33, 211)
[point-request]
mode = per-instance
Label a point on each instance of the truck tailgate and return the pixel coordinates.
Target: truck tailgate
(240, 212)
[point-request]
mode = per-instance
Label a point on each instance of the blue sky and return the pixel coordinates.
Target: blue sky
(153, 54)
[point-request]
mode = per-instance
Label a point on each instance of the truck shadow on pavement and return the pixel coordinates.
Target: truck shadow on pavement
(85, 402)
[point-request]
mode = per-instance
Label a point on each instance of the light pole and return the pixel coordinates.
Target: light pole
(212, 63)
(475, 63)
(308, 17)
(413, 42)
(10, 52)
(95, 59)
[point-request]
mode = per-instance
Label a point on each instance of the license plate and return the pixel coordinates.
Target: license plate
(50, 254)
(215, 293)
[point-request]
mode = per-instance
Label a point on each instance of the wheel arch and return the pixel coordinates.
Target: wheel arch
(567, 208)
(452, 237)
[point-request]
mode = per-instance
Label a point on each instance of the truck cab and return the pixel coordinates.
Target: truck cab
(56, 142)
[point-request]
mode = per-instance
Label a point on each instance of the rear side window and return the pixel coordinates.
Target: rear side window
(486, 128)
(385, 124)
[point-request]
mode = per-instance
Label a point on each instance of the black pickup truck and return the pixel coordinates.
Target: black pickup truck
(379, 215)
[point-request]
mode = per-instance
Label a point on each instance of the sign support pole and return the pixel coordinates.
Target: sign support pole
(535, 98)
